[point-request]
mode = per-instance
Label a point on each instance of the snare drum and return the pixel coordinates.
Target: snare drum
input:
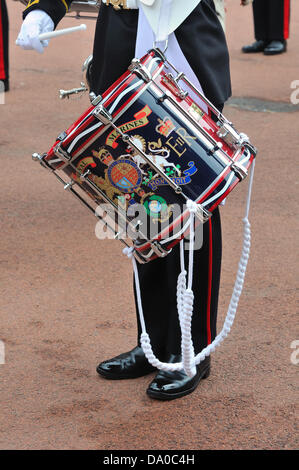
(150, 142)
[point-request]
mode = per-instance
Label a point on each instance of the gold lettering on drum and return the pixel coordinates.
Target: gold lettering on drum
(179, 142)
(185, 136)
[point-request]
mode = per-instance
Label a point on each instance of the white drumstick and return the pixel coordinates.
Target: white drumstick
(61, 32)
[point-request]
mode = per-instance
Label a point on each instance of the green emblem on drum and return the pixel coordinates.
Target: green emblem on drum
(156, 207)
(124, 175)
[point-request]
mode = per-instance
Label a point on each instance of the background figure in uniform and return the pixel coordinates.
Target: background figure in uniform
(4, 77)
(203, 44)
(271, 27)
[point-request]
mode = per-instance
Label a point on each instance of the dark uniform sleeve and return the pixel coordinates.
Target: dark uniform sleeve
(55, 8)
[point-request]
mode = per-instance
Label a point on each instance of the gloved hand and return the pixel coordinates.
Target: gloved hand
(35, 23)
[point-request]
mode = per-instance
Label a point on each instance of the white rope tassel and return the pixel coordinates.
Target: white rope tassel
(232, 309)
(185, 299)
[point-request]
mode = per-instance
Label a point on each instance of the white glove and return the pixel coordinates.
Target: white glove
(35, 23)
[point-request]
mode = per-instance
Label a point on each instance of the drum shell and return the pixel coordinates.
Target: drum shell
(173, 141)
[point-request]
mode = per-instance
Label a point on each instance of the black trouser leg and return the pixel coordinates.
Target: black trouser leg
(260, 17)
(158, 282)
(271, 19)
(4, 74)
(279, 18)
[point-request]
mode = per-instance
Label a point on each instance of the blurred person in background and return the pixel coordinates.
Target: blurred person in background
(271, 27)
(4, 45)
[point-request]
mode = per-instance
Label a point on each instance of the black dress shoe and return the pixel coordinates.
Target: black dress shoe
(275, 47)
(4, 85)
(129, 365)
(171, 385)
(256, 46)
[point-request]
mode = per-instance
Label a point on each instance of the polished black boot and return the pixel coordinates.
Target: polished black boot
(171, 385)
(129, 365)
(275, 47)
(4, 85)
(256, 46)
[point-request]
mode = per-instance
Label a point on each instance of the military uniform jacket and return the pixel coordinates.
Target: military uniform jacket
(200, 36)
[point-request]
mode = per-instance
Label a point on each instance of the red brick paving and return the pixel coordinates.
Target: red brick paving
(66, 298)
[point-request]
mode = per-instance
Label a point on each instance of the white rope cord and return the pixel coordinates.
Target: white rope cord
(185, 299)
(238, 287)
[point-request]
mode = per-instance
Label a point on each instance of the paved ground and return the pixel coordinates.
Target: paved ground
(66, 298)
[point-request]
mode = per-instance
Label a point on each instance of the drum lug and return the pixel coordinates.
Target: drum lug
(102, 114)
(159, 250)
(228, 134)
(138, 256)
(240, 170)
(203, 214)
(251, 149)
(139, 69)
(62, 154)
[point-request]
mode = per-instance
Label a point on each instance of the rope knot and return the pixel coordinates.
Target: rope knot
(192, 206)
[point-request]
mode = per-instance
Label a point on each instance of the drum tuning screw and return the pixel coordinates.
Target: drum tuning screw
(95, 100)
(84, 175)
(36, 157)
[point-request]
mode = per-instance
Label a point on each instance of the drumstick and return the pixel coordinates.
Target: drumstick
(61, 32)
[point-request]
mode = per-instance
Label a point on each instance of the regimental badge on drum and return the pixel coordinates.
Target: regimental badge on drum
(157, 208)
(124, 175)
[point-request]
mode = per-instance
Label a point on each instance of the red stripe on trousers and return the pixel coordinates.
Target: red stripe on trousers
(286, 20)
(2, 68)
(209, 283)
